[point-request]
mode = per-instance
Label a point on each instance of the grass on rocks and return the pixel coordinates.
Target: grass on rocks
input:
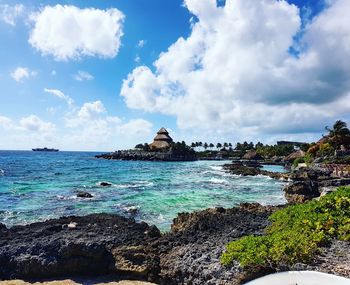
(296, 233)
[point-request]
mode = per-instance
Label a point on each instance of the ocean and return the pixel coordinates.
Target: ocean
(35, 186)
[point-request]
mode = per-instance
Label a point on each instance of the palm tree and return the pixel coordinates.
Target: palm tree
(193, 145)
(230, 147)
(218, 145)
(205, 145)
(339, 133)
(211, 145)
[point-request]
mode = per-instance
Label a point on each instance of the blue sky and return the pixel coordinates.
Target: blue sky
(242, 70)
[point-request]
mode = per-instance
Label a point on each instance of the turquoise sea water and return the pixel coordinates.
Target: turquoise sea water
(37, 185)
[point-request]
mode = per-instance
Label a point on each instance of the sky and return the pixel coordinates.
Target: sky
(106, 75)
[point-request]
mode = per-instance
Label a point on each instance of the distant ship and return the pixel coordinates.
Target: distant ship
(44, 149)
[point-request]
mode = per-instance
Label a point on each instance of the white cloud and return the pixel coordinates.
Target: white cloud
(89, 127)
(5, 122)
(34, 124)
(135, 127)
(67, 32)
(234, 72)
(83, 75)
(61, 95)
(21, 73)
(53, 72)
(88, 110)
(141, 43)
(92, 128)
(137, 59)
(9, 14)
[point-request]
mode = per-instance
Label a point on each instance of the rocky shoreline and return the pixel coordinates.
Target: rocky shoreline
(190, 253)
(148, 155)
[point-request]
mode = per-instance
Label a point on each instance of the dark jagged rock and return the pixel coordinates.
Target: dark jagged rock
(82, 194)
(248, 170)
(300, 191)
(239, 169)
(53, 248)
(105, 184)
(189, 254)
(309, 183)
(101, 243)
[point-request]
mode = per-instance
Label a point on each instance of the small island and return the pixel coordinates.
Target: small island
(163, 148)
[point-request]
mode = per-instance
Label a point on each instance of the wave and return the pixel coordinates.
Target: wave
(2, 172)
(218, 181)
(216, 167)
(65, 198)
(129, 209)
(8, 215)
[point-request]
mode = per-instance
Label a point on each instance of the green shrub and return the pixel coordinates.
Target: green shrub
(296, 232)
(308, 159)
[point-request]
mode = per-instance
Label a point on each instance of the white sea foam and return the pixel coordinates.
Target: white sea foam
(2, 172)
(128, 208)
(65, 198)
(216, 167)
(218, 181)
(8, 215)
(161, 218)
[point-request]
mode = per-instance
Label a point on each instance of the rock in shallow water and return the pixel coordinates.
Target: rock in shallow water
(82, 194)
(105, 184)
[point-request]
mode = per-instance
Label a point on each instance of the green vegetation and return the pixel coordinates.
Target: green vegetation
(180, 148)
(339, 134)
(308, 159)
(274, 150)
(296, 233)
(144, 147)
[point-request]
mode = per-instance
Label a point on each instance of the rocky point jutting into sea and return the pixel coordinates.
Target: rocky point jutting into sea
(161, 149)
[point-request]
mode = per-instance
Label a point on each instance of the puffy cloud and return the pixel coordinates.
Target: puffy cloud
(88, 110)
(136, 127)
(34, 124)
(5, 122)
(67, 32)
(83, 75)
(21, 73)
(89, 127)
(60, 94)
(234, 73)
(9, 14)
(92, 128)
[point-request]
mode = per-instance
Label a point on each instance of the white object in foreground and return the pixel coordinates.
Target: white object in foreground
(300, 278)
